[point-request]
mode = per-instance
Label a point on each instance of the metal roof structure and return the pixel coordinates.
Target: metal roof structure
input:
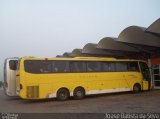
(137, 35)
(76, 52)
(154, 27)
(133, 42)
(91, 48)
(109, 43)
(67, 54)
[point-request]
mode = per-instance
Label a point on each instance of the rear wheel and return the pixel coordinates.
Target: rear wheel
(137, 88)
(79, 93)
(62, 94)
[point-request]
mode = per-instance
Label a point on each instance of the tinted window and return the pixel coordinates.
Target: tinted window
(60, 66)
(77, 66)
(37, 66)
(133, 66)
(108, 66)
(93, 66)
(43, 66)
(13, 64)
(144, 66)
(121, 66)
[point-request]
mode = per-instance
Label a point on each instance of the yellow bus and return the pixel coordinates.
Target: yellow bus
(40, 78)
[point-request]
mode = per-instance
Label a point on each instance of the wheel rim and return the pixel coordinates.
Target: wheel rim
(63, 95)
(79, 94)
(136, 88)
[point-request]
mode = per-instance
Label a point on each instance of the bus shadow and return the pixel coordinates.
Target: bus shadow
(6, 97)
(118, 94)
(39, 100)
(108, 94)
(86, 97)
(72, 99)
(12, 98)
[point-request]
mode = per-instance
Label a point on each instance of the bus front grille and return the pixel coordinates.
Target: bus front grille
(32, 91)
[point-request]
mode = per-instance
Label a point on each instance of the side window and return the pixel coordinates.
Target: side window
(93, 66)
(37, 66)
(108, 66)
(60, 66)
(13, 64)
(45, 67)
(77, 66)
(133, 66)
(121, 66)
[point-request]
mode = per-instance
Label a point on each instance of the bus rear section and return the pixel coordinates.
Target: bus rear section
(10, 66)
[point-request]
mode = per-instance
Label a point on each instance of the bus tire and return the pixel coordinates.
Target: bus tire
(79, 93)
(137, 88)
(63, 94)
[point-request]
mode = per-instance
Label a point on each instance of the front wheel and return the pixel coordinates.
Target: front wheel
(137, 88)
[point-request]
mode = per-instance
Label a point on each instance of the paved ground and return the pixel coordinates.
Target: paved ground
(121, 102)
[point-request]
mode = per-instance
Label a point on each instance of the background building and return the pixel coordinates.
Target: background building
(134, 42)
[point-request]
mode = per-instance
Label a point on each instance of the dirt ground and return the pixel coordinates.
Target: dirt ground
(144, 102)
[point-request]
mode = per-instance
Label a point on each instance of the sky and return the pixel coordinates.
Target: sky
(46, 28)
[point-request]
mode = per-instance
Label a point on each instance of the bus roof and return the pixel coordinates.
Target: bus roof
(12, 58)
(82, 59)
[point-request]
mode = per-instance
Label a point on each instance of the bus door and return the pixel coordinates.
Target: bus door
(146, 82)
